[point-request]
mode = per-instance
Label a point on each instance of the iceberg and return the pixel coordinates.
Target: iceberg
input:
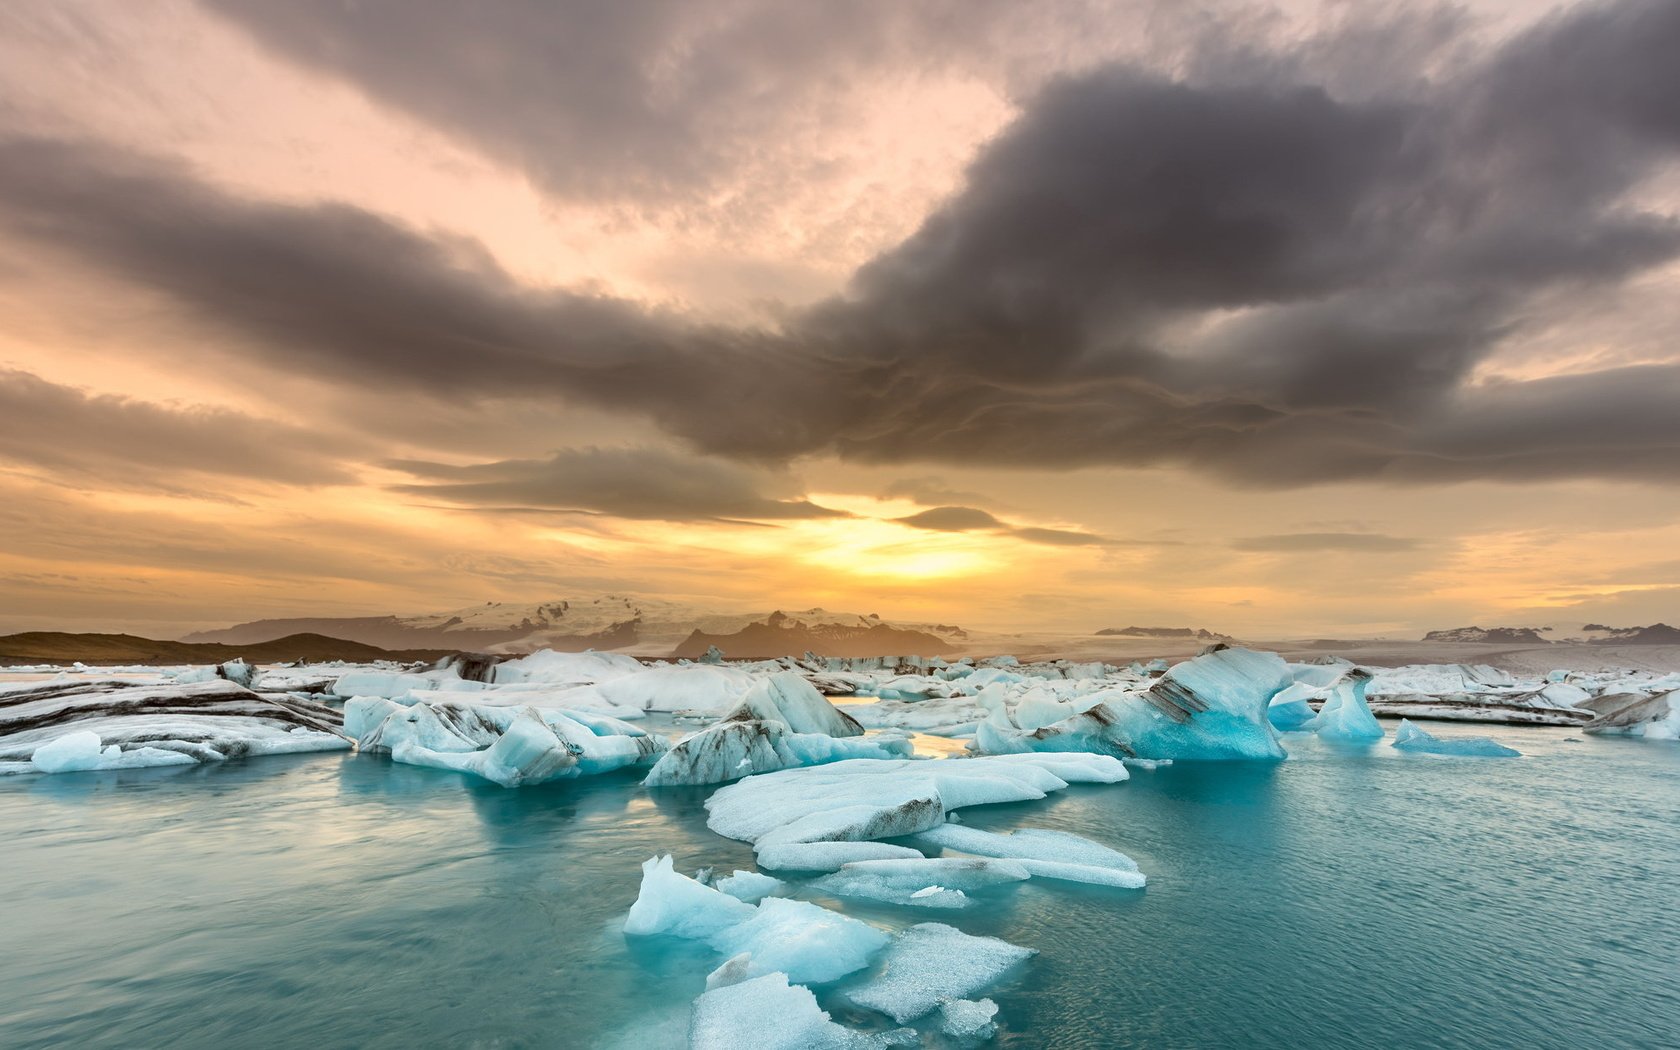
(1410, 738)
(930, 964)
(806, 942)
(510, 746)
(126, 725)
(1290, 709)
(768, 1013)
(815, 818)
(1047, 854)
(782, 722)
(1652, 717)
(1345, 715)
(1213, 706)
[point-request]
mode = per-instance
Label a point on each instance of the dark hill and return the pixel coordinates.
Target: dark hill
(63, 647)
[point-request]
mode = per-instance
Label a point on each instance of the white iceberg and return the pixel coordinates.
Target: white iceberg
(968, 1019)
(1411, 738)
(1652, 717)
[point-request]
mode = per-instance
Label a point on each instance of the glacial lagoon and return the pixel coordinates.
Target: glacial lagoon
(1347, 897)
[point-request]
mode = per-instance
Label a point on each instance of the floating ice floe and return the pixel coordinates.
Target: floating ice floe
(768, 1013)
(920, 882)
(1410, 738)
(931, 964)
(808, 943)
(780, 723)
(968, 1018)
(511, 746)
(819, 818)
(1211, 707)
(1047, 854)
(68, 725)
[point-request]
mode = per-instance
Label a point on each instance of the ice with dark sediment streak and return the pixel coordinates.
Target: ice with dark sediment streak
(1655, 717)
(1411, 738)
(809, 943)
(510, 746)
(1043, 853)
(1214, 706)
(930, 964)
(72, 725)
(817, 818)
(782, 722)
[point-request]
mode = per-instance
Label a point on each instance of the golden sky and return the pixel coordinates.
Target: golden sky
(1282, 321)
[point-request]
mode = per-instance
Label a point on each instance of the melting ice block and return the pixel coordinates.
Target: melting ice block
(920, 882)
(1345, 715)
(1047, 854)
(1211, 707)
(82, 750)
(768, 1013)
(731, 750)
(750, 886)
(807, 942)
(815, 818)
(1652, 717)
(968, 1019)
(1410, 738)
(931, 963)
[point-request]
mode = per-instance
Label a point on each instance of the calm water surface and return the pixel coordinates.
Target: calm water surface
(1341, 899)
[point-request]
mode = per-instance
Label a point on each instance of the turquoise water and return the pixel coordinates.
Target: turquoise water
(1365, 899)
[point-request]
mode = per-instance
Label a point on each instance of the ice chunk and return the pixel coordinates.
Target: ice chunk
(1652, 717)
(750, 886)
(671, 902)
(138, 724)
(807, 942)
(968, 1019)
(82, 750)
(1211, 707)
(768, 1013)
(1345, 716)
(734, 749)
(827, 856)
(1048, 854)
(935, 883)
(863, 799)
(788, 698)
(930, 963)
(1410, 738)
(510, 746)
(527, 752)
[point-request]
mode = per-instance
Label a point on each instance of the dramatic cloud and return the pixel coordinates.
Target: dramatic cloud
(972, 519)
(1249, 274)
(1317, 542)
(121, 441)
(644, 483)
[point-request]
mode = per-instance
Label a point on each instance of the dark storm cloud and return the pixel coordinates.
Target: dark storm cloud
(1265, 279)
(122, 441)
(645, 483)
(973, 519)
(648, 101)
(1318, 542)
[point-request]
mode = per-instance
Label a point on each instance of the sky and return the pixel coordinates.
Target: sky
(1309, 319)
